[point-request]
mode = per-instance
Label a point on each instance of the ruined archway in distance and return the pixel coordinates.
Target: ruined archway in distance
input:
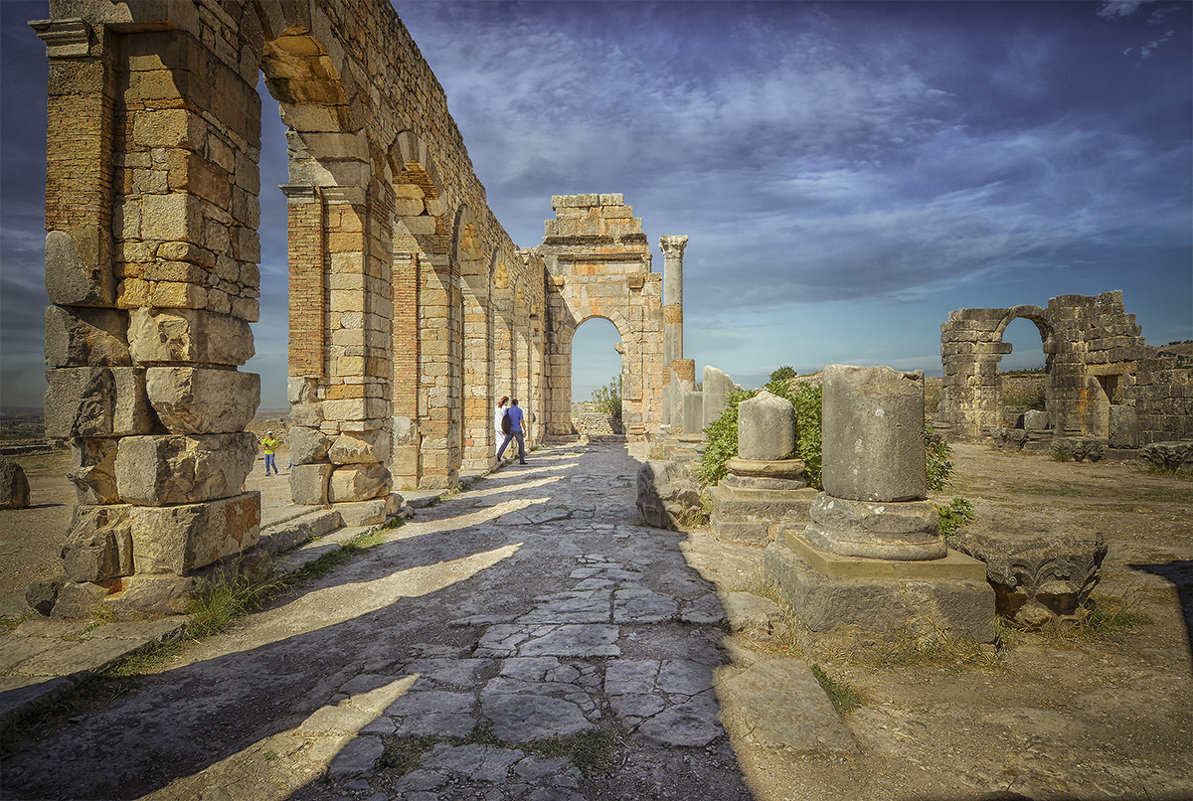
(1025, 337)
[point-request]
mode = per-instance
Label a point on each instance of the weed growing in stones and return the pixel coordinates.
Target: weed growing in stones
(844, 698)
(954, 515)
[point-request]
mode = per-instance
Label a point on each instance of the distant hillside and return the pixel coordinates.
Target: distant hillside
(1183, 348)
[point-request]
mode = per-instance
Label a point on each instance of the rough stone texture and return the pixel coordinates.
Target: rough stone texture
(360, 447)
(961, 607)
(82, 337)
(308, 483)
(99, 546)
(1036, 420)
(93, 469)
(597, 263)
(179, 539)
(745, 515)
(717, 386)
(157, 470)
(666, 491)
(71, 280)
(1037, 575)
(358, 483)
(765, 427)
(307, 445)
(14, 486)
(188, 335)
(1104, 381)
(370, 513)
(97, 402)
(692, 415)
(195, 400)
(903, 531)
(873, 434)
(1174, 455)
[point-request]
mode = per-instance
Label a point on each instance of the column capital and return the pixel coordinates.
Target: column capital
(673, 245)
(296, 193)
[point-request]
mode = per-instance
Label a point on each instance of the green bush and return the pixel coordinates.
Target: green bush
(608, 398)
(954, 515)
(784, 373)
(720, 441)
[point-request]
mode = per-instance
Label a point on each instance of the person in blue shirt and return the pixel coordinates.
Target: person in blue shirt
(515, 413)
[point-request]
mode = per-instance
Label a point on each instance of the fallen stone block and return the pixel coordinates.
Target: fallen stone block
(159, 470)
(14, 485)
(1037, 574)
(667, 492)
(1171, 455)
(196, 400)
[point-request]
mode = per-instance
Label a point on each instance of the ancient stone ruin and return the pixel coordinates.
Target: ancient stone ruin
(411, 310)
(872, 554)
(1104, 383)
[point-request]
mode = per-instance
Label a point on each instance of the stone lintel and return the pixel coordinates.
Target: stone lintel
(955, 565)
(354, 195)
(1117, 368)
(299, 193)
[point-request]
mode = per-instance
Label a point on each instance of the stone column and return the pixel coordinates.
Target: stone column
(763, 485)
(874, 468)
(717, 386)
(673, 248)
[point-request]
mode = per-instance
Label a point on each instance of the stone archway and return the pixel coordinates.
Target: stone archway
(1093, 351)
(599, 265)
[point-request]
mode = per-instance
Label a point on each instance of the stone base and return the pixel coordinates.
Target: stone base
(827, 591)
(369, 513)
(744, 515)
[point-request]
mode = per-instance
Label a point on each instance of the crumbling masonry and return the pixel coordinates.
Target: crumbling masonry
(1104, 381)
(410, 307)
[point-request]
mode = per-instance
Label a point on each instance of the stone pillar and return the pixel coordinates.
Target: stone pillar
(404, 461)
(874, 468)
(683, 379)
(151, 264)
(717, 386)
(673, 248)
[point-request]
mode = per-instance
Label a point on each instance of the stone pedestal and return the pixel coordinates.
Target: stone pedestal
(756, 495)
(829, 590)
(871, 554)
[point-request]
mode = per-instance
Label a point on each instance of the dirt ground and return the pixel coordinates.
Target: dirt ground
(1088, 713)
(1106, 714)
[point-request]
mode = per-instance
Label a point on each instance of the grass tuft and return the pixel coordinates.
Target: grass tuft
(844, 698)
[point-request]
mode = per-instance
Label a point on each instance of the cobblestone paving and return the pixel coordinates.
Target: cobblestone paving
(525, 639)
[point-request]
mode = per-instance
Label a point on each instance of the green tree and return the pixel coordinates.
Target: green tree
(784, 373)
(608, 398)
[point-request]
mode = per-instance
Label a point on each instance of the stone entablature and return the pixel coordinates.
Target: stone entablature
(1104, 381)
(598, 264)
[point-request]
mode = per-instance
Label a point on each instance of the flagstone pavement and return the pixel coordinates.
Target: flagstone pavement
(479, 652)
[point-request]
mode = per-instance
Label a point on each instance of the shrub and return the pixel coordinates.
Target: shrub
(721, 441)
(784, 373)
(954, 515)
(608, 398)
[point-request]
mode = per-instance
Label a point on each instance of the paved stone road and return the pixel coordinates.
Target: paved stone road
(531, 610)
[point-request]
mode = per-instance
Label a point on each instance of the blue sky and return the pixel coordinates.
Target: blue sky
(847, 173)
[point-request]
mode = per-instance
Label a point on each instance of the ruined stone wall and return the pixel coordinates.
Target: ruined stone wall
(151, 266)
(598, 264)
(1103, 381)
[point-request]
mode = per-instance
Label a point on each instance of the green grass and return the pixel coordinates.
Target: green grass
(844, 698)
(1106, 619)
(938, 649)
(592, 751)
